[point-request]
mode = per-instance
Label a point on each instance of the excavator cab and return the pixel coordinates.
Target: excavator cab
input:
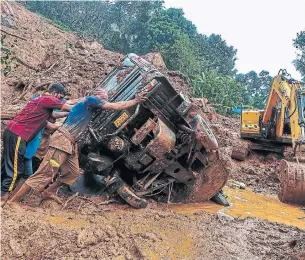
(250, 123)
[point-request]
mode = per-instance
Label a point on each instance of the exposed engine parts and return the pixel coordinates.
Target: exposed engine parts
(161, 148)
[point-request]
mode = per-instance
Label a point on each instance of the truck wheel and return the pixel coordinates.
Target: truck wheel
(208, 181)
(133, 200)
(204, 134)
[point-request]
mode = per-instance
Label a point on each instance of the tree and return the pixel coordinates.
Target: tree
(142, 27)
(222, 91)
(256, 87)
(119, 25)
(182, 56)
(215, 54)
(299, 44)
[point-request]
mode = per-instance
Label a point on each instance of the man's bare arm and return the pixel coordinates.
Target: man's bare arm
(51, 126)
(66, 107)
(73, 101)
(121, 105)
(59, 114)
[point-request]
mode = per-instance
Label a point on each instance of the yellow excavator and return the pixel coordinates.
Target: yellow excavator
(277, 128)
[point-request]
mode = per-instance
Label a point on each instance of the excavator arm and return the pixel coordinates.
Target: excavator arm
(278, 105)
(292, 174)
(297, 105)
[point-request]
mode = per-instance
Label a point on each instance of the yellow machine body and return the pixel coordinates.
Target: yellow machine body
(281, 121)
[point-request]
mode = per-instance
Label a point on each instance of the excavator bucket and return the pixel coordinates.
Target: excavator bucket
(292, 178)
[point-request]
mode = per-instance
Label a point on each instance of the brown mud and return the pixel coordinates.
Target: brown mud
(255, 226)
(119, 232)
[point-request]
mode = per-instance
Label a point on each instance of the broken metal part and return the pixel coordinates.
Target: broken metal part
(93, 134)
(141, 133)
(220, 199)
(204, 134)
(156, 187)
(117, 144)
(101, 164)
(163, 142)
(139, 184)
(114, 182)
(208, 180)
(177, 171)
(151, 180)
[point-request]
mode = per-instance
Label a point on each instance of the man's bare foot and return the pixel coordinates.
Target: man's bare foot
(13, 206)
(48, 195)
(4, 198)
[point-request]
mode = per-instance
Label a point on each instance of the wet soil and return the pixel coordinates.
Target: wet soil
(117, 232)
(86, 229)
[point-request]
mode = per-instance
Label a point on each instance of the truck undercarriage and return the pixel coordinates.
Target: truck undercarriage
(161, 148)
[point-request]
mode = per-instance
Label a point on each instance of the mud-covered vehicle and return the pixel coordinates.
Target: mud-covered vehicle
(162, 148)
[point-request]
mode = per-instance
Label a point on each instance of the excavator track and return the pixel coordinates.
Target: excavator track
(292, 178)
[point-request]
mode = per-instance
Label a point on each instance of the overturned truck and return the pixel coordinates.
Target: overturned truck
(161, 149)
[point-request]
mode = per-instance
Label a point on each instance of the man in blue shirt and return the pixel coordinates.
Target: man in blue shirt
(62, 152)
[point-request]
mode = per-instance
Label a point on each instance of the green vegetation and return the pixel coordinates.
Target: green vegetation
(6, 58)
(223, 91)
(299, 44)
(147, 26)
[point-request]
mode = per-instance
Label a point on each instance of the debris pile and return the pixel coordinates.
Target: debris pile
(60, 56)
(38, 53)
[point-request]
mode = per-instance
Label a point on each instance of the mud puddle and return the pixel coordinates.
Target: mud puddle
(246, 203)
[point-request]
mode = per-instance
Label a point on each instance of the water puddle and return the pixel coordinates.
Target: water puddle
(246, 203)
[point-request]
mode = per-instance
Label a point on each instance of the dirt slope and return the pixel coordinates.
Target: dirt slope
(117, 232)
(55, 56)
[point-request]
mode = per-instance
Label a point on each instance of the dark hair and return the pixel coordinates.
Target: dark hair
(58, 88)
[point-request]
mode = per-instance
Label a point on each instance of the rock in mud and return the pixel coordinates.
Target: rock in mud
(223, 216)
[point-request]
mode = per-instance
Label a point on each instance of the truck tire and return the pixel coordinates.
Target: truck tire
(133, 200)
(203, 133)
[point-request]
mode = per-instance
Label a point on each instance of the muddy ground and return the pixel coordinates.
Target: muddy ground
(86, 229)
(114, 232)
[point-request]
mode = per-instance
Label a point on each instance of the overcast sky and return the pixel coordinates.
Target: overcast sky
(262, 31)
